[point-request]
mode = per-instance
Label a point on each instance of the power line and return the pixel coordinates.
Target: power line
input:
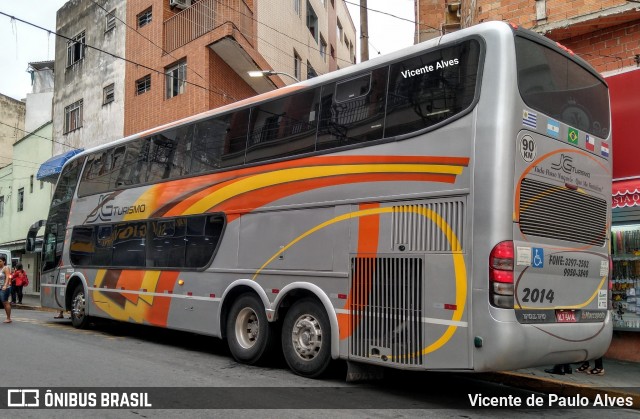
(161, 48)
(392, 15)
(39, 136)
(109, 53)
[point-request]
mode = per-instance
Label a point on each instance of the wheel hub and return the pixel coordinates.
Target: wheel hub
(306, 337)
(247, 327)
(78, 306)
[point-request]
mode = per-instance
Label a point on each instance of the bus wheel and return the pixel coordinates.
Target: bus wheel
(249, 334)
(79, 317)
(306, 338)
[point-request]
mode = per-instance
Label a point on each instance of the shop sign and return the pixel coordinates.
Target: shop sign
(626, 200)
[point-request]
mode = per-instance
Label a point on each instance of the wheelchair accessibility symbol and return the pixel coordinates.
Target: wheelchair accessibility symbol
(538, 257)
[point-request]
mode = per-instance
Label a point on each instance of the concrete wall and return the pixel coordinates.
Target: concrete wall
(39, 104)
(284, 31)
(12, 115)
(86, 79)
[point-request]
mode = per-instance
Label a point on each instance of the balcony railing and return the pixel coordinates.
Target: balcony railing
(203, 17)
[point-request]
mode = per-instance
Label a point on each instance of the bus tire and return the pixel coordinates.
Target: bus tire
(249, 333)
(79, 317)
(306, 338)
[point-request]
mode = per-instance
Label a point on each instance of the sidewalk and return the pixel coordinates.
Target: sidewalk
(621, 379)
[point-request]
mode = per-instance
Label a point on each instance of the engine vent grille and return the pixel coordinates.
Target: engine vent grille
(560, 213)
(419, 233)
(386, 309)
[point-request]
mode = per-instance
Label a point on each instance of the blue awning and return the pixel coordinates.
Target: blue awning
(52, 167)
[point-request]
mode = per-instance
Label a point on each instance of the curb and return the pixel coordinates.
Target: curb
(33, 308)
(562, 388)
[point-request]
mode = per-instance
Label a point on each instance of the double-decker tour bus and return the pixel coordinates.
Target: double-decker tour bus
(443, 207)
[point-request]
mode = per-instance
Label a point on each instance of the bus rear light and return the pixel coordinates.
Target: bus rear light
(502, 289)
(502, 256)
(496, 275)
(501, 275)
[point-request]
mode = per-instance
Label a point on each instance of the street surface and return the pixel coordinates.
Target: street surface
(39, 351)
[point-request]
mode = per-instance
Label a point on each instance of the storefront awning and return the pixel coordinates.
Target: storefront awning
(626, 193)
(50, 169)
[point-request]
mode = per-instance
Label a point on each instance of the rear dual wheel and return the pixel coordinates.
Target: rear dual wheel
(306, 338)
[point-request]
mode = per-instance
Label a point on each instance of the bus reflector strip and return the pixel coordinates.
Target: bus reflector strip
(275, 291)
(189, 293)
(342, 296)
(450, 307)
(212, 296)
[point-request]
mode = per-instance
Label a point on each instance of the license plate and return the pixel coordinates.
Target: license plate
(565, 316)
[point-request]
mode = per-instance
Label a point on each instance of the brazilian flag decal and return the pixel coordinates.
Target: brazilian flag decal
(573, 136)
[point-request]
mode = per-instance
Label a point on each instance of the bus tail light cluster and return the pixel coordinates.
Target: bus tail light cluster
(501, 263)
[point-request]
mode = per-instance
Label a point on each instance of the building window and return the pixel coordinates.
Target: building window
(323, 49)
(143, 84)
(20, 199)
(31, 184)
(333, 52)
(1, 206)
(311, 73)
(333, 4)
(340, 32)
(312, 21)
(176, 79)
(108, 94)
(110, 22)
(75, 49)
(297, 66)
(42, 184)
(144, 18)
(73, 117)
(297, 7)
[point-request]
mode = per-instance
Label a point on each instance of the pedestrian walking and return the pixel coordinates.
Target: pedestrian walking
(598, 367)
(19, 280)
(5, 287)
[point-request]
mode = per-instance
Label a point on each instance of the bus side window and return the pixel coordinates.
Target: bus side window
(219, 142)
(82, 246)
(284, 127)
(162, 148)
(129, 240)
(103, 252)
(93, 179)
(354, 114)
(431, 88)
(167, 243)
(127, 175)
(203, 235)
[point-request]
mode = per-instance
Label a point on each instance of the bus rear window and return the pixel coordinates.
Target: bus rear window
(559, 87)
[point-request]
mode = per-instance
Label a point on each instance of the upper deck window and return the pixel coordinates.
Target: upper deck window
(429, 88)
(553, 84)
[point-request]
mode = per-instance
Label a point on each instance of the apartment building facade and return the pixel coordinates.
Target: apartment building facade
(130, 66)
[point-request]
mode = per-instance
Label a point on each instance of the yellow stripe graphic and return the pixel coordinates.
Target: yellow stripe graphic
(279, 177)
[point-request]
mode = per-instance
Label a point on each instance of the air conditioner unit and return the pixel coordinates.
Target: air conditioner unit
(181, 4)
